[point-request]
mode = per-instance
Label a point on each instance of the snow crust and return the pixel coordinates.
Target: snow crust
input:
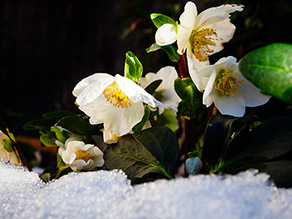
(109, 194)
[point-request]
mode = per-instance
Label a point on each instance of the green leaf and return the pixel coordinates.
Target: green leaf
(60, 133)
(138, 127)
(170, 50)
(78, 125)
(38, 124)
(153, 150)
(191, 98)
(268, 141)
(270, 69)
(8, 146)
(49, 120)
(221, 133)
(168, 119)
(48, 138)
(133, 67)
(153, 86)
(160, 19)
(280, 172)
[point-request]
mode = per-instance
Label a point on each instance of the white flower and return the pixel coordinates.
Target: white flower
(8, 156)
(165, 35)
(201, 35)
(165, 91)
(81, 156)
(228, 89)
(117, 102)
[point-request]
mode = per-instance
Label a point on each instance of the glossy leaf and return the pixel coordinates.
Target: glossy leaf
(153, 150)
(138, 127)
(170, 50)
(78, 125)
(133, 67)
(160, 19)
(153, 86)
(270, 69)
(191, 98)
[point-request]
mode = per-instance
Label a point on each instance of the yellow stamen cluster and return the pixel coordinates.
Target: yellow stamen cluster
(115, 96)
(82, 155)
(228, 82)
(200, 41)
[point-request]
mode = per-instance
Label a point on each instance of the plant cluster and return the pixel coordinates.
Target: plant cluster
(170, 124)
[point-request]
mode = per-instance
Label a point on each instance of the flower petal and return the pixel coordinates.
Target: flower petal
(88, 89)
(194, 67)
(165, 35)
(208, 98)
(252, 95)
(187, 24)
(230, 105)
(215, 14)
(134, 91)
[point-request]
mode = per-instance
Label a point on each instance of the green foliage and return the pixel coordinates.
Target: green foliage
(133, 67)
(160, 19)
(153, 150)
(270, 69)
(191, 98)
(7, 145)
(232, 146)
(168, 119)
(170, 50)
(138, 127)
(153, 86)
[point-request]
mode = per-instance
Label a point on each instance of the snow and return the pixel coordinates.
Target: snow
(109, 194)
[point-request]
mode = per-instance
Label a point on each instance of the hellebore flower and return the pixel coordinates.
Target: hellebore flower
(228, 89)
(8, 155)
(115, 101)
(200, 35)
(165, 91)
(81, 156)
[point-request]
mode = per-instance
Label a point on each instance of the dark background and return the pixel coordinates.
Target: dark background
(47, 47)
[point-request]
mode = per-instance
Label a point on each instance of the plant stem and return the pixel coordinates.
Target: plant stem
(183, 66)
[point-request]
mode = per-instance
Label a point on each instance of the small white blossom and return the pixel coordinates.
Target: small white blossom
(115, 101)
(80, 156)
(228, 89)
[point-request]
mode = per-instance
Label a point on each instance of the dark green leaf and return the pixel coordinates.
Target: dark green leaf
(270, 69)
(170, 50)
(221, 134)
(160, 19)
(38, 124)
(153, 150)
(138, 127)
(191, 98)
(78, 125)
(60, 133)
(48, 138)
(133, 67)
(153, 86)
(268, 141)
(280, 171)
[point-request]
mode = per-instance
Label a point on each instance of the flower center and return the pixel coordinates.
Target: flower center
(82, 155)
(200, 41)
(228, 82)
(115, 96)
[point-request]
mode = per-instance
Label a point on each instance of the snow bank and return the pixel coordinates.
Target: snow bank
(108, 194)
